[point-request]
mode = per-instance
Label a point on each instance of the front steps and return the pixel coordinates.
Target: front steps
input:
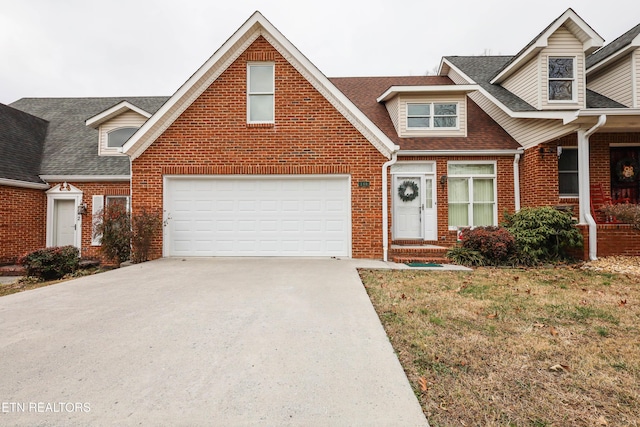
(405, 251)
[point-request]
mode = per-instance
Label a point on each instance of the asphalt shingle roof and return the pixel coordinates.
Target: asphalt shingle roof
(482, 132)
(22, 137)
(613, 47)
(71, 148)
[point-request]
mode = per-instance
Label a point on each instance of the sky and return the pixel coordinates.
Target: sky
(88, 48)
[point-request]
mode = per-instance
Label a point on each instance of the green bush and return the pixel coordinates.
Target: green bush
(115, 231)
(543, 234)
(51, 263)
(495, 244)
(465, 256)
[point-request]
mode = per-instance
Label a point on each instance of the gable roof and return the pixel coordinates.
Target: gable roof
(114, 111)
(21, 142)
(70, 147)
(621, 45)
(256, 26)
(483, 133)
(589, 38)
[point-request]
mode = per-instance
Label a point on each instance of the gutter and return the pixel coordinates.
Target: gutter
(385, 203)
(583, 185)
(516, 181)
(405, 153)
(23, 184)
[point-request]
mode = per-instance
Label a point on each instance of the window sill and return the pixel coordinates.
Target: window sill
(260, 125)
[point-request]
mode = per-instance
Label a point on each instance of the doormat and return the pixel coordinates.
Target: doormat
(422, 264)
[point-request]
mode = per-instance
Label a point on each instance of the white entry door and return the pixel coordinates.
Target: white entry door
(64, 222)
(414, 213)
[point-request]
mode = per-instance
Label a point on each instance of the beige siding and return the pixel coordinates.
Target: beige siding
(615, 82)
(563, 43)
(128, 119)
(525, 83)
(528, 132)
(462, 115)
(392, 108)
(636, 78)
(457, 78)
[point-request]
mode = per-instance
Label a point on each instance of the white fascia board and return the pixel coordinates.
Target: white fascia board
(597, 112)
(86, 178)
(452, 88)
(615, 56)
(114, 111)
(591, 42)
(460, 152)
(257, 23)
(23, 184)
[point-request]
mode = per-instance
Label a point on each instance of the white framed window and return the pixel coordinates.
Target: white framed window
(568, 172)
(117, 137)
(432, 115)
(472, 194)
(260, 92)
(562, 78)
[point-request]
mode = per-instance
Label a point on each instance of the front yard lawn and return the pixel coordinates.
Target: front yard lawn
(502, 347)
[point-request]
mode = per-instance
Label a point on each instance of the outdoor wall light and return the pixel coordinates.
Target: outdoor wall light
(82, 209)
(443, 180)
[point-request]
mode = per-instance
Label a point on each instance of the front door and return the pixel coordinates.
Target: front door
(414, 213)
(64, 220)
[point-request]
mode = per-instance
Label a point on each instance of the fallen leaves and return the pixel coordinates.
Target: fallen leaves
(553, 331)
(622, 303)
(422, 382)
(559, 368)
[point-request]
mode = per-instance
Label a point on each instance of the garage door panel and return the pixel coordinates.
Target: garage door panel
(270, 216)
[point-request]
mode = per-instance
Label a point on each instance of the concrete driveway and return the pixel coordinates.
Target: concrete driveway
(215, 341)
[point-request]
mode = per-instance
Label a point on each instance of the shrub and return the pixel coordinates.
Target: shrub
(465, 256)
(145, 225)
(543, 234)
(115, 231)
(51, 263)
(627, 213)
(495, 244)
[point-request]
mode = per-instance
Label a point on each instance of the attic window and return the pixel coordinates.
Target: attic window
(432, 116)
(561, 79)
(260, 93)
(116, 138)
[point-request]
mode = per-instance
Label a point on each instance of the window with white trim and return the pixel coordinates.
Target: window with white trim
(561, 78)
(117, 137)
(260, 92)
(568, 172)
(472, 194)
(432, 115)
(117, 200)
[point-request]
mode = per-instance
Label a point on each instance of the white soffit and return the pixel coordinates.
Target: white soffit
(396, 90)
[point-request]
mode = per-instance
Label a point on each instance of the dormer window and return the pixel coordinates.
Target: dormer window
(117, 137)
(561, 78)
(432, 115)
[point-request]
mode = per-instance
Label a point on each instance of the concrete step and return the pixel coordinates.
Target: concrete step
(12, 270)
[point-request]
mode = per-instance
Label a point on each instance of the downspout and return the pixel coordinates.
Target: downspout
(385, 203)
(583, 185)
(516, 181)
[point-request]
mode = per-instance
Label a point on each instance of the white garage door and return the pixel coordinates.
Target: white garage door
(258, 216)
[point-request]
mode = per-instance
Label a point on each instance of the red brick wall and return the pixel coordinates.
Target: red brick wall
(539, 176)
(22, 222)
(504, 174)
(89, 189)
(613, 239)
(309, 137)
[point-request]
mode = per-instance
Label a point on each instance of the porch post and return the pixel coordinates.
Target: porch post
(584, 186)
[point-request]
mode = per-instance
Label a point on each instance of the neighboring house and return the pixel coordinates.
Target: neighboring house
(260, 154)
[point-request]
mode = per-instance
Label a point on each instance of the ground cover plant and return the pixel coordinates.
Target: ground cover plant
(521, 347)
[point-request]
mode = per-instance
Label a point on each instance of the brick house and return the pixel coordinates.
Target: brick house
(260, 154)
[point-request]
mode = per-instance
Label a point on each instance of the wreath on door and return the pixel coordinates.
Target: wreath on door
(408, 191)
(627, 170)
